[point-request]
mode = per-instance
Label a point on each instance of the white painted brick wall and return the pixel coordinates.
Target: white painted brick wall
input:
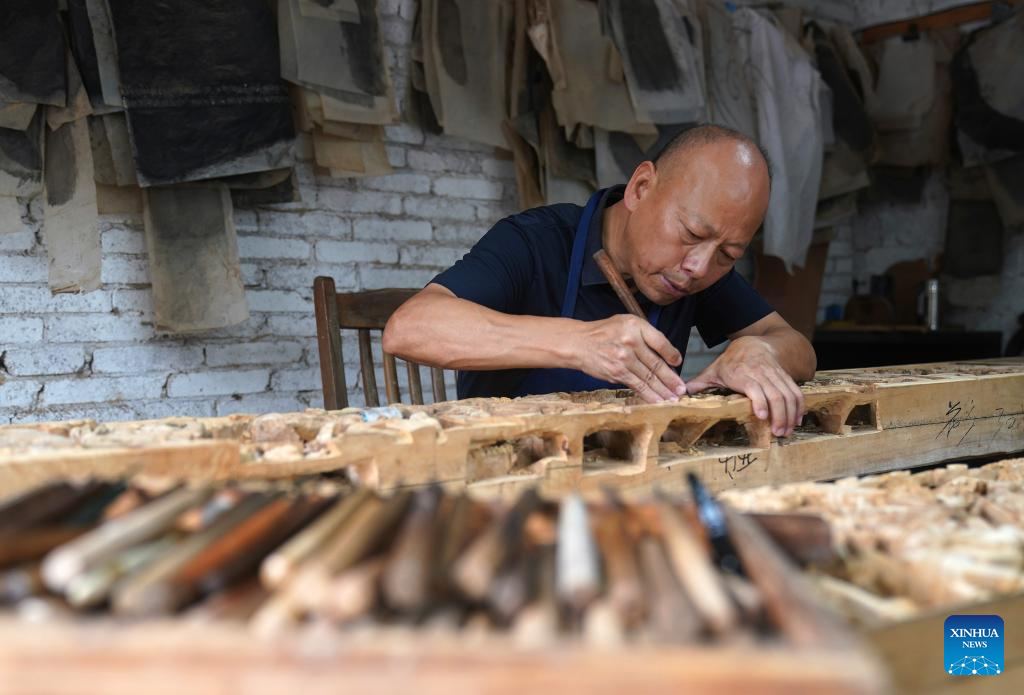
(16, 329)
(98, 354)
(206, 383)
(145, 358)
(99, 389)
(46, 360)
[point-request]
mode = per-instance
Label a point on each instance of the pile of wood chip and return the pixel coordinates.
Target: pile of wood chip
(913, 542)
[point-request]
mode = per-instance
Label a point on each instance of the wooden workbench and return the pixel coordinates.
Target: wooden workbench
(861, 421)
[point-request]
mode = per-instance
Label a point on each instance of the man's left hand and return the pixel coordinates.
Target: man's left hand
(750, 366)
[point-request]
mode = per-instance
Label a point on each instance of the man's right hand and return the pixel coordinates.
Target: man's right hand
(625, 349)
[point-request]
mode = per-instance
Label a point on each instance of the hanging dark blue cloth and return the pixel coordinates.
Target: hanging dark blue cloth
(555, 380)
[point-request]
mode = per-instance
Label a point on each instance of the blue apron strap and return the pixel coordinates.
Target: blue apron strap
(653, 315)
(579, 246)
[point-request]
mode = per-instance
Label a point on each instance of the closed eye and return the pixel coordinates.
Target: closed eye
(691, 235)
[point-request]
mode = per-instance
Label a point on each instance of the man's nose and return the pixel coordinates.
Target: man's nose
(697, 261)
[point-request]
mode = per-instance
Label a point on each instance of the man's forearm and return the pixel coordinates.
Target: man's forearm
(444, 331)
(793, 352)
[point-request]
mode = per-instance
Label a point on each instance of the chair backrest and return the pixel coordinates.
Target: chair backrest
(364, 312)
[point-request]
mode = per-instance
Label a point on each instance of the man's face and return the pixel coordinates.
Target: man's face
(693, 217)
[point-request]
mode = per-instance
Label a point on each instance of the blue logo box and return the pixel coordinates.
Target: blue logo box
(973, 645)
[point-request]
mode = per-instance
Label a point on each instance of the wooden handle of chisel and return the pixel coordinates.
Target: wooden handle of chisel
(806, 538)
(671, 615)
(406, 577)
(604, 262)
(786, 593)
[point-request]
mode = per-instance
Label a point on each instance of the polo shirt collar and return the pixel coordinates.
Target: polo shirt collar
(592, 274)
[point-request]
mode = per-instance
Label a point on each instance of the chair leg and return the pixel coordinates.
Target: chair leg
(437, 379)
(391, 379)
(415, 385)
(328, 341)
(366, 367)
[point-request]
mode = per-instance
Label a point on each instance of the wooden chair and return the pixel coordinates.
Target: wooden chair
(364, 312)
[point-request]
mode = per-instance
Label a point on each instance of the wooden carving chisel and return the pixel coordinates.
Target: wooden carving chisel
(786, 593)
(358, 538)
(672, 616)
(242, 542)
(16, 548)
(243, 553)
(604, 262)
(48, 504)
(105, 541)
(693, 567)
(493, 548)
(712, 520)
(513, 587)
(353, 593)
(622, 572)
(577, 567)
(406, 580)
(93, 587)
(150, 591)
(536, 625)
(283, 562)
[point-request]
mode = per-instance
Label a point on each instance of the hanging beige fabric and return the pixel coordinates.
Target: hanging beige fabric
(842, 171)
(990, 93)
(518, 89)
(118, 200)
(856, 64)
(659, 60)
(345, 157)
(102, 159)
(928, 142)
(835, 210)
(10, 215)
(1001, 81)
(21, 160)
(541, 31)
(354, 131)
(560, 189)
(111, 150)
(906, 83)
(342, 61)
(193, 258)
(562, 158)
(730, 102)
(116, 127)
(590, 95)
(380, 111)
(70, 217)
(106, 51)
(433, 87)
(78, 105)
(525, 159)
(470, 42)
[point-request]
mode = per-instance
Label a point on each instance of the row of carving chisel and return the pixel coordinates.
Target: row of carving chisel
(665, 570)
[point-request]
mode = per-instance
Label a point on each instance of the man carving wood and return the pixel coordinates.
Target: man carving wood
(527, 310)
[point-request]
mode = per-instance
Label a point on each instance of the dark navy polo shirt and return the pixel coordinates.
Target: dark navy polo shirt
(521, 266)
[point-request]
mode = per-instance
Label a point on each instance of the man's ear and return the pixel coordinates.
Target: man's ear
(640, 184)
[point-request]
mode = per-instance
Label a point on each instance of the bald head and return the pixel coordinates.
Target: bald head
(686, 143)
